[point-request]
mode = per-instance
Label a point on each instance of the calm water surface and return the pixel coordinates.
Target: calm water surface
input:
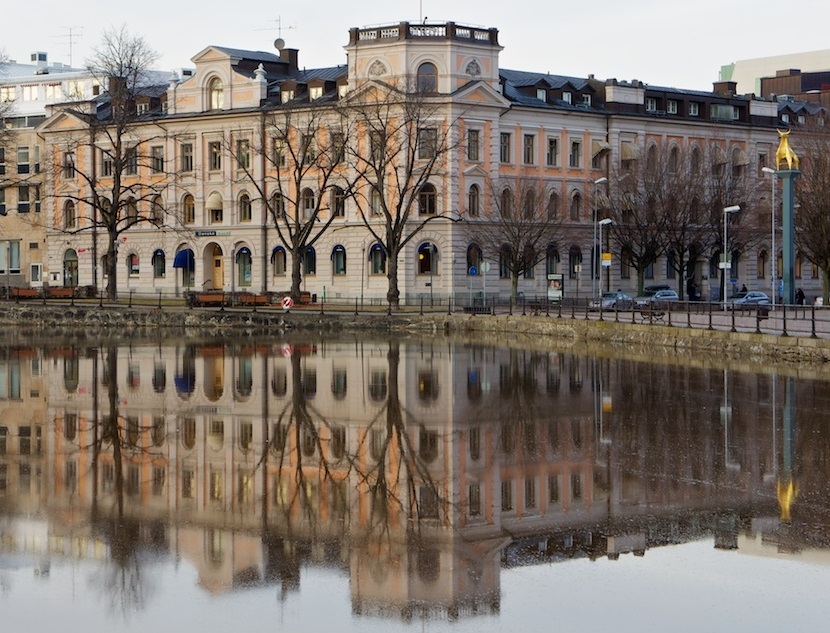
(377, 485)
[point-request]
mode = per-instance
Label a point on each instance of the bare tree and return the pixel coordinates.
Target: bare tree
(302, 150)
(122, 167)
(812, 219)
(398, 160)
(639, 195)
(517, 221)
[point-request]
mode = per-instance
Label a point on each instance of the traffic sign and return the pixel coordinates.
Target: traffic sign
(473, 271)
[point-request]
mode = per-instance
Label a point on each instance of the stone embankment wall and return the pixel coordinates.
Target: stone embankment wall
(90, 321)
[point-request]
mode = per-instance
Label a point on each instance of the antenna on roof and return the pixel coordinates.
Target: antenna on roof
(279, 43)
(73, 35)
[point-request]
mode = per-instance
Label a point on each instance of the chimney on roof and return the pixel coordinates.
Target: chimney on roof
(725, 88)
(787, 72)
(290, 55)
(39, 59)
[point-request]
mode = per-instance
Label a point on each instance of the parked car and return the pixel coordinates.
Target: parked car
(612, 301)
(750, 299)
(650, 297)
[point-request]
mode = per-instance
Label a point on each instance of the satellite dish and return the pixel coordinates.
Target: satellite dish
(279, 43)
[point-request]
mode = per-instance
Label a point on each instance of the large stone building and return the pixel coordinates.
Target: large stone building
(213, 176)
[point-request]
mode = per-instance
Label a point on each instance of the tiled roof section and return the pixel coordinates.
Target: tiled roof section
(522, 79)
(14, 72)
(258, 56)
(333, 73)
(796, 106)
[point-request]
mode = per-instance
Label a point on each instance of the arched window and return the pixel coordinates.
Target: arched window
(159, 264)
(338, 260)
(243, 266)
(674, 159)
(574, 260)
(551, 260)
(188, 210)
(375, 202)
(799, 265)
(277, 207)
(338, 203)
(377, 259)
(427, 77)
(473, 201)
(762, 264)
(244, 208)
(214, 206)
(70, 220)
(278, 261)
(694, 161)
(427, 200)
(529, 205)
(216, 95)
(553, 206)
(132, 265)
(576, 203)
(506, 203)
(132, 209)
(651, 159)
(307, 201)
(427, 256)
(504, 261)
(310, 261)
(157, 210)
(474, 258)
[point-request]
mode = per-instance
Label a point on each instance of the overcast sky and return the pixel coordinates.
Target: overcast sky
(662, 43)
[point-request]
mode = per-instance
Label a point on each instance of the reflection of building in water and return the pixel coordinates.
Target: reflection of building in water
(419, 468)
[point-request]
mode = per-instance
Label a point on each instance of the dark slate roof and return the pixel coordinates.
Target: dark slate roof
(259, 56)
(796, 106)
(522, 79)
(332, 73)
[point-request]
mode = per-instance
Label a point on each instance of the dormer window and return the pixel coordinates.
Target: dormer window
(586, 100)
(541, 94)
(567, 97)
(286, 96)
(342, 90)
(315, 92)
(427, 77)
(216, 95)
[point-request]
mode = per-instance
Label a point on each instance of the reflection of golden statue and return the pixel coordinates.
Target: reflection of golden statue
(787, 492)
(785, 152)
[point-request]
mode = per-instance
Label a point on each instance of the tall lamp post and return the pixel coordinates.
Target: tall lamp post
(774, 257)
(600, 224)
(594, 263)
(726, 264)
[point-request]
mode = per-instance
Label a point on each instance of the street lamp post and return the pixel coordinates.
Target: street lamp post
(594, 266)
(726, 264)
(774, 256)
(600, 224)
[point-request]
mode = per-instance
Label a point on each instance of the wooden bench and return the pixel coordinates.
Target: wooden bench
(251, 299)
(61, 292)
(207, 299)
(653, 314)
(23, 293)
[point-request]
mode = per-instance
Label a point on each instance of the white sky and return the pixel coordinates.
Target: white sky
(662, 43)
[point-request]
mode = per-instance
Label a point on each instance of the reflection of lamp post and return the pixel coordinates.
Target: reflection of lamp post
(771, 171)
(594, 267)
(600, 224)
(726, 264)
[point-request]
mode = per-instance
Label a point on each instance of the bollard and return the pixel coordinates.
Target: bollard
(710, 316)
(510, 312)
(355, 306)
(733, 319)
(159, 299)
(547, 308)
(524, 307)
(449, 306)
(559, 309)
(573, 309)
(669, 313)
(688, 315)
(784, 333)
(422, 306)
(813, 319)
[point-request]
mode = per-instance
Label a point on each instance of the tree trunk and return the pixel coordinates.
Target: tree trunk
(393, 294)
(112, 267)
(514, 285)
(296, 278)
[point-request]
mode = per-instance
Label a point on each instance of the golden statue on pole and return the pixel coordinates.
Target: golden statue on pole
(785, 152)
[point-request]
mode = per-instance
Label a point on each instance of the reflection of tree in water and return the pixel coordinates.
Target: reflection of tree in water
(121, 579)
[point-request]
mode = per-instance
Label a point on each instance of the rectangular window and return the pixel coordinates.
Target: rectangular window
(528, 149)
(576, 486)
(307, 153)
(694, 109)
(7, 94)
(338, 147)
(215, 155)
(188, 483)
(23, 199)
(131, 161)
(157, 158)
(2, 161)
(186, 157)
(243, 154)
(36, 198)
(530, 492)
(475, 500)
(279, 155)
(29, 93)
(23, 166)
(107, 163)
(69, 165)
(576, 154)
(142, 108)
(567, 97)
(506, 495)
(671, 106)
(651, 104)
(722, 112)
(504, 147)
(586, 100)
(427, 143)
(473, 141)
(553, 489)
(2, 202)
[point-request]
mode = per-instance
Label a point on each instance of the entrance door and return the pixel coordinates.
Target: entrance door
(218, 269)
(70, 269)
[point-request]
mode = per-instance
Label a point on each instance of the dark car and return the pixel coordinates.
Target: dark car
(651, 297)
(612, 301)
(750, 299)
